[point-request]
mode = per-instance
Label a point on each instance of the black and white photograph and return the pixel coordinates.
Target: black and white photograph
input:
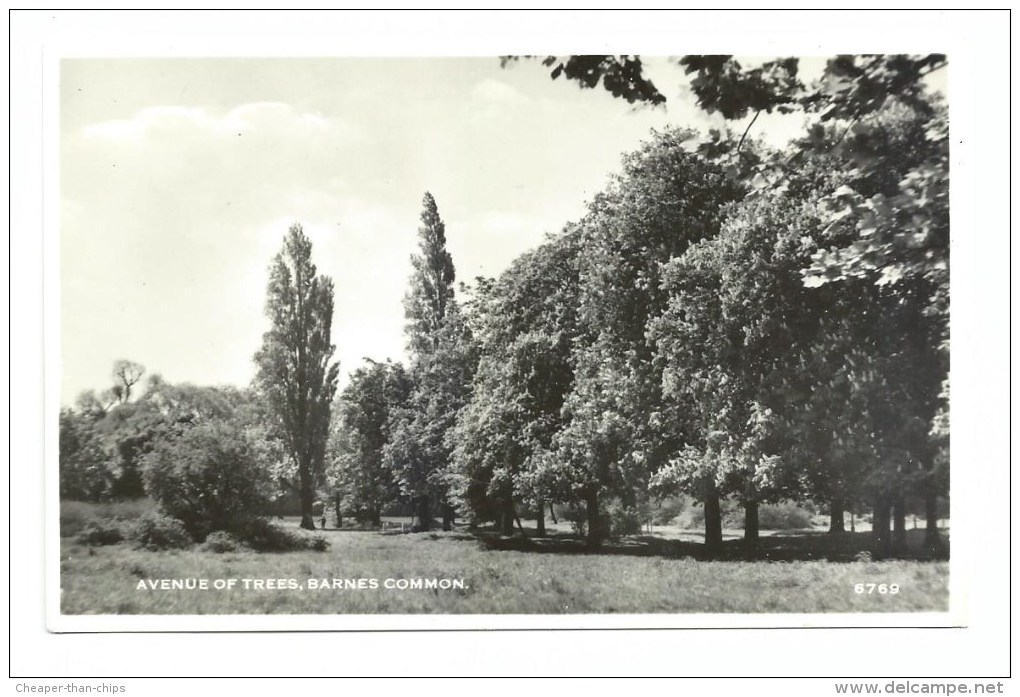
(504, 335)
(506, 340)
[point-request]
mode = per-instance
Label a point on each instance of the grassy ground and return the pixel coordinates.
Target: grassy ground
(650, 574)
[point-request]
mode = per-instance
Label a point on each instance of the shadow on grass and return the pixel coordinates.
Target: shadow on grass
(786, 546)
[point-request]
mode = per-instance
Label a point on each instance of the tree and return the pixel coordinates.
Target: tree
(103, 444)
(209, 476)
(430, 294)
(420, 443)
(358, 471)
(885, 222)
(294, 369)
(613, 437)
(904, 228)
(86, 473)
(525, 324)
(442, 363)
(126, 375)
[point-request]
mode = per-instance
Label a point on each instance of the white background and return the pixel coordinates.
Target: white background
(978, 48)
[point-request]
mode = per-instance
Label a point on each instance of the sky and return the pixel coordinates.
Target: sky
(180, 178)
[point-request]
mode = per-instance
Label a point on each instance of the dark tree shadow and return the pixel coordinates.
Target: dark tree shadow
(803, 545)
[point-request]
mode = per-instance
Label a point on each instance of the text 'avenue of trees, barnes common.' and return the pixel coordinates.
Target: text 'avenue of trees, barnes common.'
(727, 321)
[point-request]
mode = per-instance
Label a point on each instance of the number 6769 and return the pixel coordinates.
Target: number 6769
(880, 588)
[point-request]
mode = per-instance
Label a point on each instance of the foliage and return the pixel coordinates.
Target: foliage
(262, 535)
(100, 532)
(209, 477)
(358, 470)
(155, 532)
(854, 111)
(525, 325)
(75, 515)
(621, 76)
(294, 372)
(784, 516)
(86, 473)
(102, 446)
(615, 432)
(442, 364)
(430, 294)
(220, 542)
(317, 543)
(126, 375)
(624, 520)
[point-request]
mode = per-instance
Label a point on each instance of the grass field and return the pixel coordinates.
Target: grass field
(803, 573)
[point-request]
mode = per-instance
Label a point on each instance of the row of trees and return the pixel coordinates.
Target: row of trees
(727, 319)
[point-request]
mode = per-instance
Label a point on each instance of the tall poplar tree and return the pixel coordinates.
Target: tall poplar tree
(294, 369)
(430, 295)
(442, 365)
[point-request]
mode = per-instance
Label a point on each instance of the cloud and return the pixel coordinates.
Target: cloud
(180, 121)
(489, 90)
(171, 216)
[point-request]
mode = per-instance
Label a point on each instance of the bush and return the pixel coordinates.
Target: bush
(317, 544)
(731, 511)
(624, 520)
(578, 518)
(264, 536)
(666, 511)
(210, 477)
(157, 532)
(100, 532)
(220, 542)
(779, 516)
(784, 516)
(75, 515)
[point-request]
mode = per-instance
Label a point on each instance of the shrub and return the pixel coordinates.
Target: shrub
(666, 511)
(157, 532)
(220, 542)
(578, 518)
(100, 532)
(779, 516)
(731, 512)
(624, 520)
(75, 515)
(784, 516)
(264, 536)
(210, 477)
(317, 544)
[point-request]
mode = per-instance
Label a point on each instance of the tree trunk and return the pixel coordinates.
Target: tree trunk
(853, 527)
(713, 518)
(836, 516)
(540, 520)
(424, 514)
(880, 527)
(751, 523)
(517, 519)
(932, 538)
(448, 517)
(507, 526)
(899, 535)
(552, 514)
(336, 509)
(307, 493)
(594, 524)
